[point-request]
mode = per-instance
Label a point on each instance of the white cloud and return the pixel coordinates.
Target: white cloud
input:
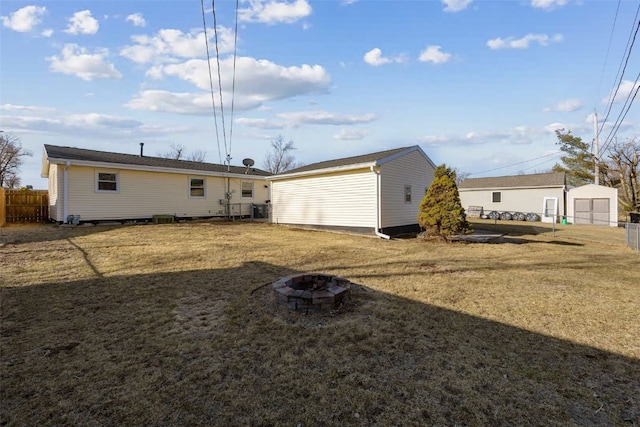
(47, 33)
(259, 123)
(519, 135)
(523, 42)
(374, 57)
(77, 61)
(455, 5)
(274, 12)
(346, 2)
(169, 44)
(137, 20)
(257, 81)
(92, 125)
(548, 4)
(351, 134)
(82, 23)
(298, 118)
(568, 105)
(434, 54)
(626, 87)
(25, 108)
(25, 19)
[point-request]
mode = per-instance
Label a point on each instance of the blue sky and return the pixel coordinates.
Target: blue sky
(479, 85)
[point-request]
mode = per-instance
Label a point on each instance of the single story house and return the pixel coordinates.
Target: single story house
(377, 192)
(542, 193)
(89, 185)
(593, 204)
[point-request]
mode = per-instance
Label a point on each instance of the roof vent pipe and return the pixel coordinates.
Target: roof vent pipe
(141, 148)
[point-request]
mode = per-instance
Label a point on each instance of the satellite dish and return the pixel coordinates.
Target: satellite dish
(248, 162)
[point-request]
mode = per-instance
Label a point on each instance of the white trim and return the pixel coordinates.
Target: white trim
(97, 181)
(65, 192)
(376, 228)
(322, 171)
(242, 196)
(204, 187)
(405, 152)
(146, 168)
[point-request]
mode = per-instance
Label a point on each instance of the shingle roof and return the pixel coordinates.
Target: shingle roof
(69, 153)
(554, 179)
(366, 158)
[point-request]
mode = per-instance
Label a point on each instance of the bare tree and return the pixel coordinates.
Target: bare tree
(460, 175)
(280, 159)
(11, 158)
(624, 171)
(178, 152)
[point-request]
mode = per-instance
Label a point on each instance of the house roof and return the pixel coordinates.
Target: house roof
(345, 162)
(554, 179)
(54, 152)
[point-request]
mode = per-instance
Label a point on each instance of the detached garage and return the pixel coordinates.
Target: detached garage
(593, 204)
(378, 192)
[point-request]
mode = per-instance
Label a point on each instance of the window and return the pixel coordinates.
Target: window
(496, 197)
(196, 187)
(107, 181)
(407, 194)
(247, 189)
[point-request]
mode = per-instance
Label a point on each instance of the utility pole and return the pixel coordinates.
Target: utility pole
(596, 156)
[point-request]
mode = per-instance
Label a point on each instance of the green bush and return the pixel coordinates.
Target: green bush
(441, 212)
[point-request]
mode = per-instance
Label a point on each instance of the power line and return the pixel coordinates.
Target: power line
(213, 101)
(625, 61)
(515, 164)
(606, 58)
(215, 32)
(233, 86)
(621, 116)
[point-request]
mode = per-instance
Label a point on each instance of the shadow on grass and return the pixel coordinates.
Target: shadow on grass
(18, 234)
(198, 348)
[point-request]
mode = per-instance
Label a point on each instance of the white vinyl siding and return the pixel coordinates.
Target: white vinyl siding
(512, 200)
(55, 192)
(588, 202)
(143, 194)
(345, 199)
(413, 170)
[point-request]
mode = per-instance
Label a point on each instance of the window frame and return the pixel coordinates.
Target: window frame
(242, 189)
(98, 181)
(192, 187)
(407, 194)
(493, 196)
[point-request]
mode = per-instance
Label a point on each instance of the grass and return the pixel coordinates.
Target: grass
(158, 325)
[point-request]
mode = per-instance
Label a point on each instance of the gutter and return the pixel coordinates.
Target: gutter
(376, 229)
(65, 186)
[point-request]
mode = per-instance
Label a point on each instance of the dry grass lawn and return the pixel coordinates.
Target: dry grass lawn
(169, 325)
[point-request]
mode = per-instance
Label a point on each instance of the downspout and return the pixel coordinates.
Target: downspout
(65, 187)
(376, 229)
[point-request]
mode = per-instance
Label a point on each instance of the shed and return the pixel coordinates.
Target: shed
(377, 192)
(593, 204)
(541, 193)
(90, 185)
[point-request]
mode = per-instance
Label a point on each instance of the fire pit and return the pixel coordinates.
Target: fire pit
(312, 291)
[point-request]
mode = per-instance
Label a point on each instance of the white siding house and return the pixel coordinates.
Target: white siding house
(593, 204)
(542, 194)
(96, 186)
(377, 192)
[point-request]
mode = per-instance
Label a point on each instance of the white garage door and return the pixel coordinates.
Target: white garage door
(591, 211)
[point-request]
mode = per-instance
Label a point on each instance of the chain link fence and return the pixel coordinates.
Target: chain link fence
(633, 235)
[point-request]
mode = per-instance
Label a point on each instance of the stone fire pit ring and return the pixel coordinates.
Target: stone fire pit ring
(312, 291)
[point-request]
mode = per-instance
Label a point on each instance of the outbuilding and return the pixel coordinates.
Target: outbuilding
(89, 185)
(542, 194)
(377, 192)
(593, 204)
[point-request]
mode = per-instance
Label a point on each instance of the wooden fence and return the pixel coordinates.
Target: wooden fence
(24, 205)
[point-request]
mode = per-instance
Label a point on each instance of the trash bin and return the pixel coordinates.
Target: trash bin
(635, 217)
(564, 221)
